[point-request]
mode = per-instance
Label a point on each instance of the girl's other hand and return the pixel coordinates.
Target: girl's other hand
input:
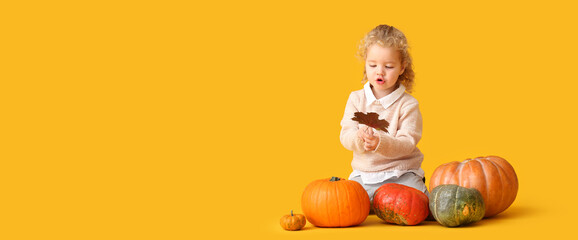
(371, 145)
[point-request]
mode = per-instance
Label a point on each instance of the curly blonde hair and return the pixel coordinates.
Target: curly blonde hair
(389, 36)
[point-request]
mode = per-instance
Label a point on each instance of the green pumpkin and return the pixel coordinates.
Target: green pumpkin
(453, 205)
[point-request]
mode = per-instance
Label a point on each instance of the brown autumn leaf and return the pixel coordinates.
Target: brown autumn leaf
(371, 119)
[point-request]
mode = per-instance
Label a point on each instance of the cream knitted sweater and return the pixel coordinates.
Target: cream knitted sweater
(397, 149)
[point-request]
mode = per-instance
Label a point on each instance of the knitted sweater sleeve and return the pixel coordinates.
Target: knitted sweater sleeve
(348, 135)
(408, 134)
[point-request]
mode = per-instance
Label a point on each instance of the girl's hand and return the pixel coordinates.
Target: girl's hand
(362, 132)
(370, 139)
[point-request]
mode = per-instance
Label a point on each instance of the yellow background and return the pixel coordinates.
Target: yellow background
(180, 119)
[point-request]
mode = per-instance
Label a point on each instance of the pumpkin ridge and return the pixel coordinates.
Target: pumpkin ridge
(363, 197)
(398, 213)
(360, 198)
(415, 201)
(356, 194)
(360, 193)
(327, 211)
(412, 201)
(456, 205)
(397, 207)
(449, 167)
(459, 170)
(487, 192)
(512, 179)
(499, 167)
(467, 182)
(496, 208)
(435, 209)
(348, 200)
(320, 196)
(315, 196)
(336, 189)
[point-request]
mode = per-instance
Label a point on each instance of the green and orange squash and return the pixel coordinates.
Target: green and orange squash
(400, 204)
(452, 205)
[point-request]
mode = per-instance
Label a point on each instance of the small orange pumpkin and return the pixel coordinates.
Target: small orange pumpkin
(493, 176)
(293, 222)
(335, 202)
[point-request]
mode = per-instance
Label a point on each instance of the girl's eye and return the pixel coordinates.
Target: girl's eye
(371, 65)
(389, 67)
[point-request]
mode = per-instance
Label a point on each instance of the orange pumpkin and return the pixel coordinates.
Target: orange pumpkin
(293, 222)
(493, 176)
(335, 202)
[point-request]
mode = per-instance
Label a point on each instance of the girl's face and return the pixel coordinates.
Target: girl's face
(383, 66)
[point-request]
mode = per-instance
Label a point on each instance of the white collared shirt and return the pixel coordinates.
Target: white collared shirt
(379, 177)
(384, 101)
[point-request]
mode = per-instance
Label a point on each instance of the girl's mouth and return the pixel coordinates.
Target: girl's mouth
(379, 80)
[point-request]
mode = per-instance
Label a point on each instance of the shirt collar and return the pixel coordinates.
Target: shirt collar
(384, 101)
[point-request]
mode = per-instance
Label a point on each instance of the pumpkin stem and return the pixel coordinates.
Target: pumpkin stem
(291, 213)
(334, 179)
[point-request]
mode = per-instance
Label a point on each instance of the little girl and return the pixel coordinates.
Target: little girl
(380, 157)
